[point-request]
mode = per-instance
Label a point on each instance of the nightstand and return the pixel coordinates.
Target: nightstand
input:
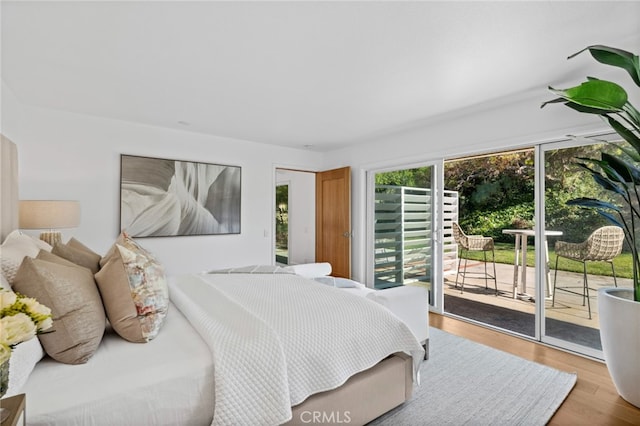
(16, 405)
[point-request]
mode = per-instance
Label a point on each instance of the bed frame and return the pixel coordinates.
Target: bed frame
(362, 398)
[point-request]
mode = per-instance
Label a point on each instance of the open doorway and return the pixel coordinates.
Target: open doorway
(295, 217)
(282, 223)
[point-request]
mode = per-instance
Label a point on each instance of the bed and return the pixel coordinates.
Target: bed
(222, 355)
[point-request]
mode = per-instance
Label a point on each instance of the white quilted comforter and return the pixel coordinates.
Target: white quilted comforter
(278, 338)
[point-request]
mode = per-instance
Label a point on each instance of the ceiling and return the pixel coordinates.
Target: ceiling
(318, 75)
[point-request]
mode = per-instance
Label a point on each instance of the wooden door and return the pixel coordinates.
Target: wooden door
(333, 220)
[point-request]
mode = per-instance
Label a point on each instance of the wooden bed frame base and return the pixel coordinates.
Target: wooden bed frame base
(362, 398)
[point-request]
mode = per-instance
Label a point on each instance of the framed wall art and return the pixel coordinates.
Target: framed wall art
(161, 197)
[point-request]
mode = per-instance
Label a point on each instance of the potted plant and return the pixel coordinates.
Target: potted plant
(619, 308)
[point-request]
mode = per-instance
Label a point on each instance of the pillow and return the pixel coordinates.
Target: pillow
(4, 284)
(126, 241)
(78, 316)
(253, 269)
(339, 282)
(50, 257)
(16, 247)
(24, 358)
(134, 291)
(79, 256)
(311, 270)
(79, 246)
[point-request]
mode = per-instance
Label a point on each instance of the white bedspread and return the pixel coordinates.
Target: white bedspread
(277, 339)
(166, 382)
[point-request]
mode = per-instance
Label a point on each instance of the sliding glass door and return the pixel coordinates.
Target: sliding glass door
(548, 294)
(585, 253)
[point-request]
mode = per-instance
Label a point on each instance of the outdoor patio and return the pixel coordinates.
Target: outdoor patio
(568, 307)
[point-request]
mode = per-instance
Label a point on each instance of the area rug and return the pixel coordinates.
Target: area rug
(466, 383)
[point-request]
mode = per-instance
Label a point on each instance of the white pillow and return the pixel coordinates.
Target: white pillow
(339, 282)
(24, 358)
(4, 284)
(16, 247)
(311, 270)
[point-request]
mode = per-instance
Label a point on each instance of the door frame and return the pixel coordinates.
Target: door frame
(540, 218)
(272, 228)
(436, 298)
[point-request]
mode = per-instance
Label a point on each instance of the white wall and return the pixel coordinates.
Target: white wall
(71, 156)
(302, 215)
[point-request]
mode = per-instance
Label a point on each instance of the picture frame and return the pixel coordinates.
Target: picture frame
(166, 198)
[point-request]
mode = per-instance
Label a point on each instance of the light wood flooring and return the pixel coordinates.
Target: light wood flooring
(593, 401)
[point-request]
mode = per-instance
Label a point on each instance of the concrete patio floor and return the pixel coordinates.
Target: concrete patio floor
(568, 307)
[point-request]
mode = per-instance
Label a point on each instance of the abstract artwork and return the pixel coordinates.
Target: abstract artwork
(160, 197)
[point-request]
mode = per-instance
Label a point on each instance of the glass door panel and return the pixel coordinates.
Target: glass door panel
(494, 200)
(570, 311)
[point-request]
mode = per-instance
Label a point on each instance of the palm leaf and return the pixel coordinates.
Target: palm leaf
(625, 133)
(599, 94)
(592, 203)
(615, 57)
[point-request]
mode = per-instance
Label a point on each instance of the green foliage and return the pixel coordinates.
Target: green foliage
(564, 181)
(617, 173)
(416, 178)
(490, 223)
(492, 182)
(504, 254)
(282, 216)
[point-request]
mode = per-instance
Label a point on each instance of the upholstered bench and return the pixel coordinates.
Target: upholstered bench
(411, 305)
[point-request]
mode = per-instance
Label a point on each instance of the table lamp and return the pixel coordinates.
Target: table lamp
(50, 215)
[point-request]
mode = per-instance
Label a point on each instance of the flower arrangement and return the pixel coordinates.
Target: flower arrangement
(21, 318)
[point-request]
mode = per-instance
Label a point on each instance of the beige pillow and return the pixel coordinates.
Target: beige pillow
(50, 257)
(134, 291)
(81, 257)
(78, 245)
(71, 294)
(16, 247)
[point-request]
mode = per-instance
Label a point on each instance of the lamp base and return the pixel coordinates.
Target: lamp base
(51, 237)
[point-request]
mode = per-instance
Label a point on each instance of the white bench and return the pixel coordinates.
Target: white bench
(411, 305)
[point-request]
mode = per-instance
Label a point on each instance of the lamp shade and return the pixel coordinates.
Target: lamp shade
(49, 214)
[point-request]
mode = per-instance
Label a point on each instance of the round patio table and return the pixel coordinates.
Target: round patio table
(521, 236)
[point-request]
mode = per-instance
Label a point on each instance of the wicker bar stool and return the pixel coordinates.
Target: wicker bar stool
(603, 245)
(474, 243)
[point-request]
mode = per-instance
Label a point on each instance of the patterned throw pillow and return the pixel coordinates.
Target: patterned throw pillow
(134, 291)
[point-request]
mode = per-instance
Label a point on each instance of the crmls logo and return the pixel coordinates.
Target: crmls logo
(334, 417)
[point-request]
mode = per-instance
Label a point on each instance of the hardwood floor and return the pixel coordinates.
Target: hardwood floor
(593, 400)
